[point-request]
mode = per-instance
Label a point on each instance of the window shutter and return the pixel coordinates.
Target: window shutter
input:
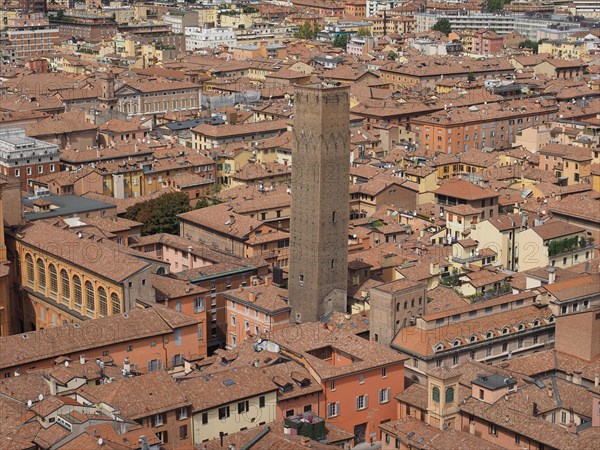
(366, 400)
(389, 394)
(337, 408)
(149, 366)
(357, 404)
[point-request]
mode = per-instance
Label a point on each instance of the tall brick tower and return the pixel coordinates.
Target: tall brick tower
(319, 218)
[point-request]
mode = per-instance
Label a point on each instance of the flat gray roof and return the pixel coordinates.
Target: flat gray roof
(67, 205)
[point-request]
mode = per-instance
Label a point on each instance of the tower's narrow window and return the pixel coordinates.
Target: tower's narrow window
(332, 264)
(301, 280)
(333, 217)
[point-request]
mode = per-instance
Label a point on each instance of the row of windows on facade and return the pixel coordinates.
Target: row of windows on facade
(150, 106)
(489, 335)
(51, 280)
(575, 258)
(484, 125)
(361, 376)
(489, 351)
(243, 407)
(29, 170)
(247, 312)
(361, 402)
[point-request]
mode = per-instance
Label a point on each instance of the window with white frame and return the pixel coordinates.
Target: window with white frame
(198, 304)
(362, 402)
(384, 395)
(158, 420)
(333, 409)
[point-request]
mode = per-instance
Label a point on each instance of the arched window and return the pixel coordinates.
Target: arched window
(116, 303)
(77, 294)
(161, 271)
(102, 302)
(450, 395)
(89, 297)
(41, 268)
(65, 285)
(30, 271)
(489, 335)
(435, 394)
(53, 279)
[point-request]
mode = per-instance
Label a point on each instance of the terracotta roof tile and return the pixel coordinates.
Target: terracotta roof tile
(139, 397)
(68, 339)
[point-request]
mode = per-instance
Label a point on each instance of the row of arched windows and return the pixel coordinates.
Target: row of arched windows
(435, 394)
(66, 294)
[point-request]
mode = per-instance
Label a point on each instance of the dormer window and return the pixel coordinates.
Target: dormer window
(489, 335)
(439, 347)
(456, 343)
(473, 338)
(536, 323)
(505, 330)
(551, 319)
(521, 327)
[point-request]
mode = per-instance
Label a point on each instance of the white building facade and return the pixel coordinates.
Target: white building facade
(197, 38)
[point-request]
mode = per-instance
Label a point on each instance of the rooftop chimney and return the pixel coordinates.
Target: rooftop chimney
(82, 359)
(597, 380)
(551, 275)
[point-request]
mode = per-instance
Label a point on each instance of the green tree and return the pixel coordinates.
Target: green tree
(495, 5)
(306, 31)
(392, 55)
(341, 41)
(205, 202)
(159, 215)
(363, 32)
(470, 77)
(443, 26)
(529, 44)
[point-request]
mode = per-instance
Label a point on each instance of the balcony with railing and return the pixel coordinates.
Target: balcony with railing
(568, 245)
(503, 289)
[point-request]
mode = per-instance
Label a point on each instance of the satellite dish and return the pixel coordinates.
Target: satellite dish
(66, 363)
(100, 441)
(29, 403)
(41, 397)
